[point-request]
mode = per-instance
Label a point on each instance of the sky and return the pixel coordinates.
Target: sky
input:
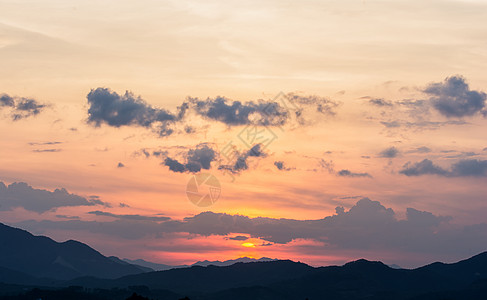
(178, 131)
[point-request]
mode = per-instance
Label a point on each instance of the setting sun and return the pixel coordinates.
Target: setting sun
(248, 245)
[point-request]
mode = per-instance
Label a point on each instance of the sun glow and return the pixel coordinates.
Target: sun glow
(248, 245)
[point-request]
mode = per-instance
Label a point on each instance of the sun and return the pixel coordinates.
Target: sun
(248, 245)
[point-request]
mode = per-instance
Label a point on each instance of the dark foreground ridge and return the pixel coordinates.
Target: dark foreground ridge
(34, 267)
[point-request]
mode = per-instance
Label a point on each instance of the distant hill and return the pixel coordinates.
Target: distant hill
(151, 266)
(218, 263)
(40, 256)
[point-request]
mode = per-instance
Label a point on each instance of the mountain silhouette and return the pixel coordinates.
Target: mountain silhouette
(33, 267)
(40, 256)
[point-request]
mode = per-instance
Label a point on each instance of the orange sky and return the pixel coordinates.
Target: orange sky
(347, 52)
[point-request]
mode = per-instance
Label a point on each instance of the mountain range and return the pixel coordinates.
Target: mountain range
(33, 267)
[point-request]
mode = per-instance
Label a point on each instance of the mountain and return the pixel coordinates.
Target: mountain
(283, 279)
(27, 262)
(42, 257)
(218, 263)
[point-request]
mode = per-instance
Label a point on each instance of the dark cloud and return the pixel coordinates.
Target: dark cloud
(44, 143)
(280, 165)
(381, 102)
(20, 194)
(453, 97)
(423, 167)
(238, 238)
(46, 150)
(470, 167)
(241, 159)
(194, 160)
(21, 107)
(108, 107)
(390, 152)
(6, 100)
(259, 113)
(368, 225)
(26, 108)
(120, 165)
(129, 217)
(348, 173)
(462, 168)
(123, 205)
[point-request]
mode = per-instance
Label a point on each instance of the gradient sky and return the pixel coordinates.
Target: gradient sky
(377, 108)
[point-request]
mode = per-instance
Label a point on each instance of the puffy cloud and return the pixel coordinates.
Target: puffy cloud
(470, 167)
(20, 194)
(462, 168)
(237, 113)
(194, 160)
(390, 152)
(453, 97)
(111, 108)
(21, 107)
(108, 107)
(6, 100)
(423, 167)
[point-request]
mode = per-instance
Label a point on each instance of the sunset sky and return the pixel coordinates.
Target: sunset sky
(371, 122)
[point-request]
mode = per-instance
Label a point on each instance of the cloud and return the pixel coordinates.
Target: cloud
(470, 167)
(453, 98)
(44, 143)
(194, 160)
(462, 168)
(390, 152)
(129, 217)
(423, 167)
(46, 150)
(368, 225)
(234, 113)
(421, 125)
(20, 194)
(111, 108)
(330, 167)
(381, 102)
(108, 107)
(280, 165)
(348, 173)
(241, 159)
(120, 165)
(21, 107)
(421, 149)
(238, 238)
